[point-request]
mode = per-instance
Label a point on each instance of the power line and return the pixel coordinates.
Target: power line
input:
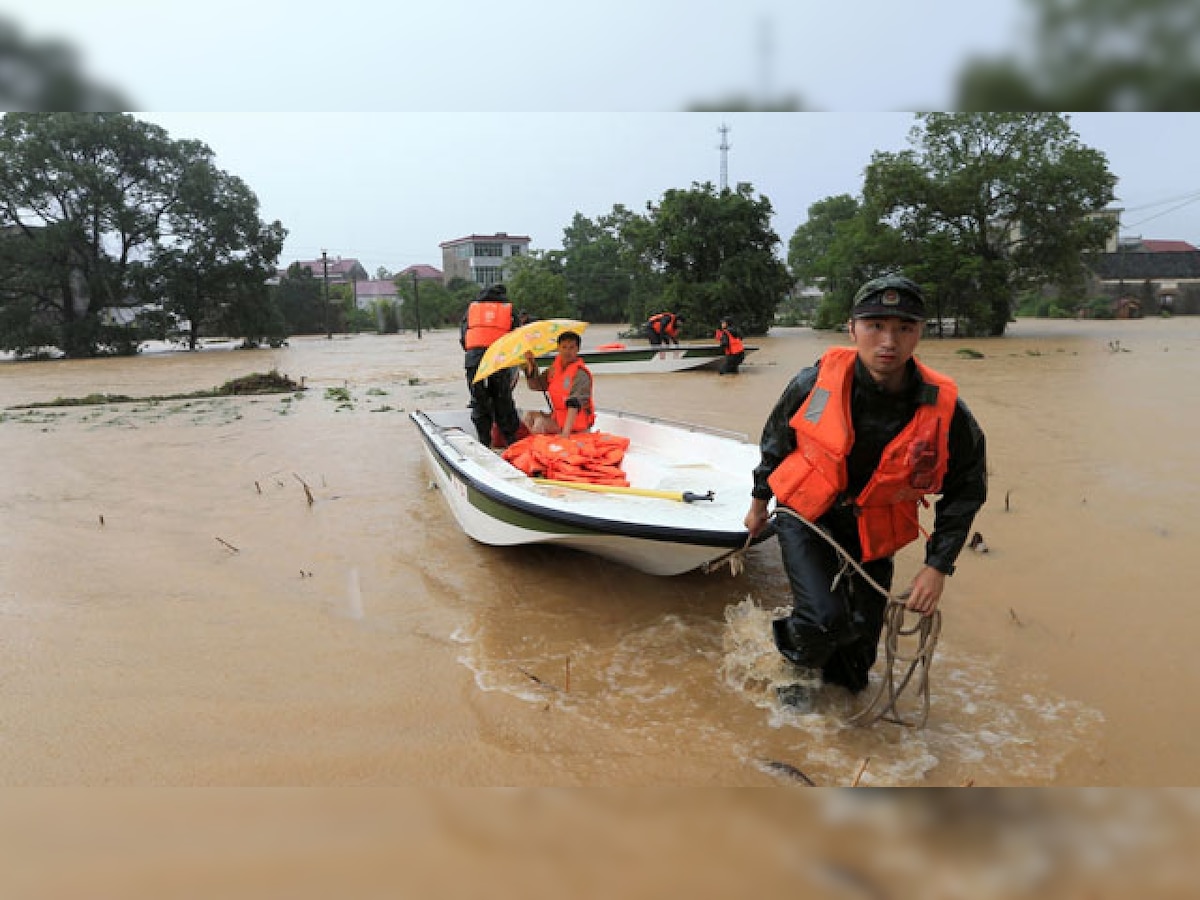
(1165, 212)
(1191, 194)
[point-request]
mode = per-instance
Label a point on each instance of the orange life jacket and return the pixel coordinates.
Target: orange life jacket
(559, 388)
(665, 323)
(735, 342)
(487, 320)
(814, 476)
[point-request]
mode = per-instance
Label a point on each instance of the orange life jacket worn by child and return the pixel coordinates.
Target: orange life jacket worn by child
(559, 381)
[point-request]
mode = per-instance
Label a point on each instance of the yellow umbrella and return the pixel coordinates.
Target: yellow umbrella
(536, 337)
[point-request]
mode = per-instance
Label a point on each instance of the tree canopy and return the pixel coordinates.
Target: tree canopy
(102, 212)
(1094, 55)
(700, 252)
(983, 206)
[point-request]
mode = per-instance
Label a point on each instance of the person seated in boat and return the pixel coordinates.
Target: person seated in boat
(568, 386)
(730, 340)
(663, 328)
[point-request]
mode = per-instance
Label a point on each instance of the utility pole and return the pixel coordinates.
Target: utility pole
(325, 276)
(724, 130)
(417, 304)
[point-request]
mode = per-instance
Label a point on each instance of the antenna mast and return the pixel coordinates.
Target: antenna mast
(724, 130)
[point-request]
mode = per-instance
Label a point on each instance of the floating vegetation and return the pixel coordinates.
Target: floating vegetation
(340, 394)
(259, 383)
(968, 353)
(256, 383)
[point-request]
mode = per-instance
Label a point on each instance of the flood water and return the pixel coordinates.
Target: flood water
(173, 611)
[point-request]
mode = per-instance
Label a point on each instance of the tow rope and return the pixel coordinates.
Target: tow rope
(882, 703)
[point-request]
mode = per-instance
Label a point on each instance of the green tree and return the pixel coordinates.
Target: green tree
(98, 210)
(715, 255)
(301, 298)
(598, 277)
(439, 305)
(215, 256)
(1094, 55)
(842, 244)
(47, 76)
(537, 285)
(988, 205)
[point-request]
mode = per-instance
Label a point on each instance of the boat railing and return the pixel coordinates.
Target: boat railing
(674, 423)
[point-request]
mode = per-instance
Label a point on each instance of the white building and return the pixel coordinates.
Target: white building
(481, 257)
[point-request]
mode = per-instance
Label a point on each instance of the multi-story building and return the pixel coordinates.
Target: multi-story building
(481, 257)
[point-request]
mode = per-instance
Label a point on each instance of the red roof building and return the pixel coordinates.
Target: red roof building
(1166, 247)
(422, 271)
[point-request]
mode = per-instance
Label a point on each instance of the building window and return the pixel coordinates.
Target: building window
(514, 249)
(462, 251)
(490, 248)
(487, 275)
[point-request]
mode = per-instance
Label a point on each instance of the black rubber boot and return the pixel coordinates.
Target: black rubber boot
(801, 695)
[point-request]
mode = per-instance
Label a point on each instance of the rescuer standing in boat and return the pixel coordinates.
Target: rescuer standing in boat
(852, 446)
(489, 317)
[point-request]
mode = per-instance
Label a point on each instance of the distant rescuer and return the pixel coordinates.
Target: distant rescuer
(489, 317)
(732, 348)
(663, 328)
(853, 445)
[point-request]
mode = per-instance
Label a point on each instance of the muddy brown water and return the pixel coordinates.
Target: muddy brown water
(174, 612)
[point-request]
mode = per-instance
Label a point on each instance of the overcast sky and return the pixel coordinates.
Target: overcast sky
(479, 116)
(387, 188)
(528, 55)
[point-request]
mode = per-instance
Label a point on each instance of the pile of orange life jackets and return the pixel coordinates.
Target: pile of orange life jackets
(589, 456)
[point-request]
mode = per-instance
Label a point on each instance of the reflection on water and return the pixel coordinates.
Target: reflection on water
(175, 611)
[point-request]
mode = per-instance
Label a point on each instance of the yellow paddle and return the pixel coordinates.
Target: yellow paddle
(681, 496)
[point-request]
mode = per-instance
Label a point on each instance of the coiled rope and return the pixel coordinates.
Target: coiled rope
(883, 701)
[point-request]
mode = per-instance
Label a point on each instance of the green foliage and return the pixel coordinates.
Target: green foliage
(300, 297)
(831, 312)
(1094, 55)
(597, 268)
(387, 313)
(44, 76)
(984, 206)
(439, 305)
(705, 254)
(105, 212)
(536, 285)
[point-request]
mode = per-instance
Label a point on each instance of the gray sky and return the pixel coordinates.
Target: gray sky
(483, 116)
(387, 188)
(523, 54)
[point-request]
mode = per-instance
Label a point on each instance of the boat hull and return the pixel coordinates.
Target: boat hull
(498, 505)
